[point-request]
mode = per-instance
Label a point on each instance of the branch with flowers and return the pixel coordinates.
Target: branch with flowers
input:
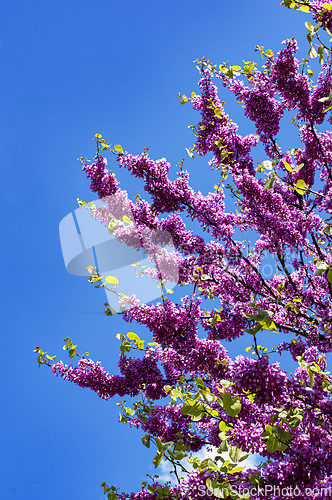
(188, 392)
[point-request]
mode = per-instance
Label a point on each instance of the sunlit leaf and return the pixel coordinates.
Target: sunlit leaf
(111, 279)
(301, 187)
(231, 405)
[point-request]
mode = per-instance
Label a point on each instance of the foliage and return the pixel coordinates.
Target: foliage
(188, 392)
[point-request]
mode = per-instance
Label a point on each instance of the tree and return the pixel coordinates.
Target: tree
(190, 392)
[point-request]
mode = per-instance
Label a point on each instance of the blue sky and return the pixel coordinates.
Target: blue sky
(68, 70)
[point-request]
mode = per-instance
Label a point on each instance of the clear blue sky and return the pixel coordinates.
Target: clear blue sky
(68, 70)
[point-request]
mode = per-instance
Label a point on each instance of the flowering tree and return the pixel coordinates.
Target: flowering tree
(188, 392)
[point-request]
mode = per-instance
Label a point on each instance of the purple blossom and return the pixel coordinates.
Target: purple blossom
(102, 181)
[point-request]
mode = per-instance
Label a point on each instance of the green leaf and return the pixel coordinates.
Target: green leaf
(322, 265)
(158, 443)
(125, 347)
(269, 182)
(287, 166)
(199, 382)
(327, 6)
(265, 435)
(157, 459)
(122, 418)
(309, 27)
(111, 279)
(329, 276)
(223, 427)
(327, 385)
(184, 99)
(129, 411)
(199, 416)
(218, 490)
(163, 492)
(141, 417)
(179, 455)
(52, 358)
(126, 219)
(133, 336)
(326, 99)
(176, 393)
(231, 405)
(251, 397)
(290, 168)
(236, 454)
(301, 187)
(187, 410)
(272, 444)
(327, 109)
(267, 164)
(268, 324)
(284, 435)
(212, 465)
(208, 397)
(253, 330)
(217, 112)
(166, 446)
(190, 153)
(196, 412)
(118, 148)
(224, 383)
(262, 314)
(312, 52)
(311, 377)
(273, 418)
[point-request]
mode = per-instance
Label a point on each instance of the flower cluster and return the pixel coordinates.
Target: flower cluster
(102, 181)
